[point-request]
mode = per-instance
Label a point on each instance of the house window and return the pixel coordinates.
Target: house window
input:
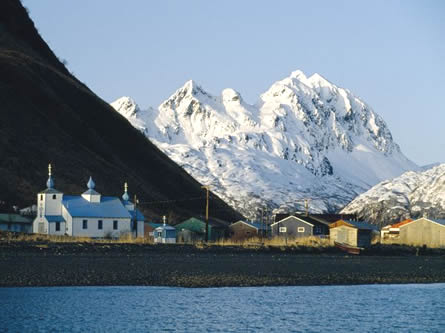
(317, 229)
(85, 224)
(300, 229)
(54, 196)
(57, 226)
(283, 229)
(99, 224)
(114, 225)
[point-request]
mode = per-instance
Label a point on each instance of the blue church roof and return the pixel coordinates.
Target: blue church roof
(108, 207)
(55, 218)
(138, 214)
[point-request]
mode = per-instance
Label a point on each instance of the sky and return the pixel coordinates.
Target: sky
(390, 53)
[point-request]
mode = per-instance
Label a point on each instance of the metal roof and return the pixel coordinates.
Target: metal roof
(55, 218)
(137, 213)
(50, 190)
(256, 225)
(91, 192)
(13, 218)
(362, 225)
(165, 227)
(111, 207)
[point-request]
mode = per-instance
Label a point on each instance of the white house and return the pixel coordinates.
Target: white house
(88, 215)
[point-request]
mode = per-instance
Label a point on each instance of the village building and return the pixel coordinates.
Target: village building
(194, 229)
(246, 229)
(302, 225)
(86, 215)
(15, 223)
(391, 232)
(165, 234)
(353, 233)
(291, 227)
(423, 231)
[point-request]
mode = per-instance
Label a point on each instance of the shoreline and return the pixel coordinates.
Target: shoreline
(37, 264)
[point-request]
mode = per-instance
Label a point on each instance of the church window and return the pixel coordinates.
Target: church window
(115, 225)
(85, 224)
(41, 196)
(57, 226)
(99, 225)
(54, 196)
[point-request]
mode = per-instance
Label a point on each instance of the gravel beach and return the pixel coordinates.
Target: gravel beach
(98, 264)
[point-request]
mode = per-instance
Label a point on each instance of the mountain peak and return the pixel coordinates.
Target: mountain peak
(126, 106)
(298, 74)
(317, 79)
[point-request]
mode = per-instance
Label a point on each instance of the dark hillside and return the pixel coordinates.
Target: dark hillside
(47, 115)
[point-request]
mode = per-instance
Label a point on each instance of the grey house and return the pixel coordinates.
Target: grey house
(292, 227)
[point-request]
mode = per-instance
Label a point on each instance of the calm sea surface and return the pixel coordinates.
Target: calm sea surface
(366, 308)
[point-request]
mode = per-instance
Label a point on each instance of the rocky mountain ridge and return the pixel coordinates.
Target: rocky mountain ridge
(304, 138)
(411, 195)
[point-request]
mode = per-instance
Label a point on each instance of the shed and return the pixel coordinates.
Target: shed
(354, 233)
(15, 223)
(292, 227)
(245, 229)
(193, 229)
(423, 231)
(165, 234)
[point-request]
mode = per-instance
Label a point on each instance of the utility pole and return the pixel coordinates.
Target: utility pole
(135, 223)
(306, 206)
(207, 187)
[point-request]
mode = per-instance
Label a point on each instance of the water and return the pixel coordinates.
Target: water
(366, 308)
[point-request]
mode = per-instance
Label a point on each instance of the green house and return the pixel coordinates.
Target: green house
(193, 229)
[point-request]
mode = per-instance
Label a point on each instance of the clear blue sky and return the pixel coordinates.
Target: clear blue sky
(390, 53)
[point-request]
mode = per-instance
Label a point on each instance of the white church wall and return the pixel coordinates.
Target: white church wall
(92, 229)
(52, 203)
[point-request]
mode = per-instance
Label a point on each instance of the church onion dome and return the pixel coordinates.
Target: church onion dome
(91, 184)
(125, 196)
(50, 183)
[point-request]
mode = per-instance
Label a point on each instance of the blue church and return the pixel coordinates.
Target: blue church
(87, 215)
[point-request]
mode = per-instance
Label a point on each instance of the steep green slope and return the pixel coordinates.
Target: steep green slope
(47, 115)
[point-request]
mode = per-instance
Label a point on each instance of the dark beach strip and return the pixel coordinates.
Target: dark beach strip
(99, 264)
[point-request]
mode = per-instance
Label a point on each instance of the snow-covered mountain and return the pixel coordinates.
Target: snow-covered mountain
(413, 194)
(304, 138)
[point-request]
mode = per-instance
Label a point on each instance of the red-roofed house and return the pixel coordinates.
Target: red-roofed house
(391, 232)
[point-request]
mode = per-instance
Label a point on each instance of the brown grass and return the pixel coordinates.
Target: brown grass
(20, 237)
(256, 242)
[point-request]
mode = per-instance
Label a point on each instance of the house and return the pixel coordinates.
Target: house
(245, 229)
(352, 233)
(321, 226)
(87, 215)
(194, 229)
(15, 223)
(292, 227)
(165, 234)
(423, 231)
(390, 233)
